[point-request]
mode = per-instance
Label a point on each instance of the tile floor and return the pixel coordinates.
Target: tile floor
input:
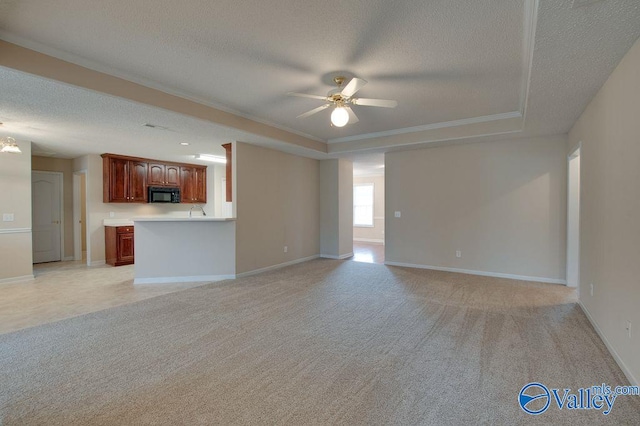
(66, 289)
(368, 252)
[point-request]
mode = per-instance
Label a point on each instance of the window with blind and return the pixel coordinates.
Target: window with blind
(363, 204)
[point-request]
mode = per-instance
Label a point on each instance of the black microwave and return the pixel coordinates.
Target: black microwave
(163, 194)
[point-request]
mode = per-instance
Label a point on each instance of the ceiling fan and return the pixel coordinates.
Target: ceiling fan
(341, 100)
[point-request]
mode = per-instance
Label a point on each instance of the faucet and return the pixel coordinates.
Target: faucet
(198, 206)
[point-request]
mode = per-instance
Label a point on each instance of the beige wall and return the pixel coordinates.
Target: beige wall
(609, 130)
(336, 208)
(376, 233)
(277, 204)
(97, 211)
(83, 212)
(64, 166)
(15, 197)
(503, 204)
(345, 207)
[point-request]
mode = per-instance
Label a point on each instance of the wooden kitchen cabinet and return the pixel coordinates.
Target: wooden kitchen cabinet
(162, 174)
(228, 172)
(124, 180)
(119, 245)
(193, 184)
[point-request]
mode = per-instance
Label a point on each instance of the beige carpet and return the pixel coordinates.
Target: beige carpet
(324, 342)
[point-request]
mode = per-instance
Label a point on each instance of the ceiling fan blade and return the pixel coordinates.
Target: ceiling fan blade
(384, 103)
(353, 86)
(313, 111)
(304, 95)
(353, 118)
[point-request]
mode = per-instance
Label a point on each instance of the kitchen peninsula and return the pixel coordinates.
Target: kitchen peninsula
(184, 249)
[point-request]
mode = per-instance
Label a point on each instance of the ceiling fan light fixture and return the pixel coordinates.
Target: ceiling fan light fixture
(339, 116)
(9, 145)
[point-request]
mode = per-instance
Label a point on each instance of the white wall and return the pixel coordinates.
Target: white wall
(278, 202)
(219, 172)
(375, 233)
(609, 130)
(184, 251)
(15, 197)
(503, 204)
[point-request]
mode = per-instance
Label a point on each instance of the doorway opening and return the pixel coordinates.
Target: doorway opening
(368, 209)
(573, 219)
(80, 245)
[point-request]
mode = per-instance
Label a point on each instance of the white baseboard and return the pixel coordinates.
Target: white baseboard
(17, 279)
(191, 279)
(613, 352)
(97, 263)
(278, 266)
(369, 240)
(341, 257)
(481, 273)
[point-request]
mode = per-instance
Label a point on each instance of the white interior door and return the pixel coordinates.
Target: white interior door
(46, 193)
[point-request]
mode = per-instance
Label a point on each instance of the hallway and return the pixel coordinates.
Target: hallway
(368, 252)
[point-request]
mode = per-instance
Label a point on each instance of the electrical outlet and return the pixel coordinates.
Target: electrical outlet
(286, 249)
(112, 214)
(397, 214)
(7, 217)
(628, 328)
(458, 253)
(591, 288)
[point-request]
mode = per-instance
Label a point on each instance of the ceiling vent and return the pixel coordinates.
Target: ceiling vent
(155, 126)
(580, 3)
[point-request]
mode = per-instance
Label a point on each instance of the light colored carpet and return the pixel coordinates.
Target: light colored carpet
(324, 342)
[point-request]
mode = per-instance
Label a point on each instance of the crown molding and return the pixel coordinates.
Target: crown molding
(528, 45)
(427, 127)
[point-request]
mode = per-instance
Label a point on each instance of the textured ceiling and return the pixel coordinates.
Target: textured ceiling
(444, 61)
(67, 121)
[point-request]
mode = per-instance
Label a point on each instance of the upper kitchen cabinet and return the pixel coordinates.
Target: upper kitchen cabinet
(127, 179)
(193, 184)
(124, 179)
(162, 174)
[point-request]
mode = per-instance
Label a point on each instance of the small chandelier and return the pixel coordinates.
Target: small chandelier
(9, 145)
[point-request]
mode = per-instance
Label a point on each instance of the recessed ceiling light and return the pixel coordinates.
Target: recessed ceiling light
(213, 158)
(184, 143)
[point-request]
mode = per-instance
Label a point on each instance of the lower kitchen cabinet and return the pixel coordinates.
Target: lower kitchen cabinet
(119, 247)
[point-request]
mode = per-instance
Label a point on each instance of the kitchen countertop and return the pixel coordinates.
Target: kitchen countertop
(117, 222)
(182, 219)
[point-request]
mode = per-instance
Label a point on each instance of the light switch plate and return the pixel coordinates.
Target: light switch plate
(398, 214)
(7, 217)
